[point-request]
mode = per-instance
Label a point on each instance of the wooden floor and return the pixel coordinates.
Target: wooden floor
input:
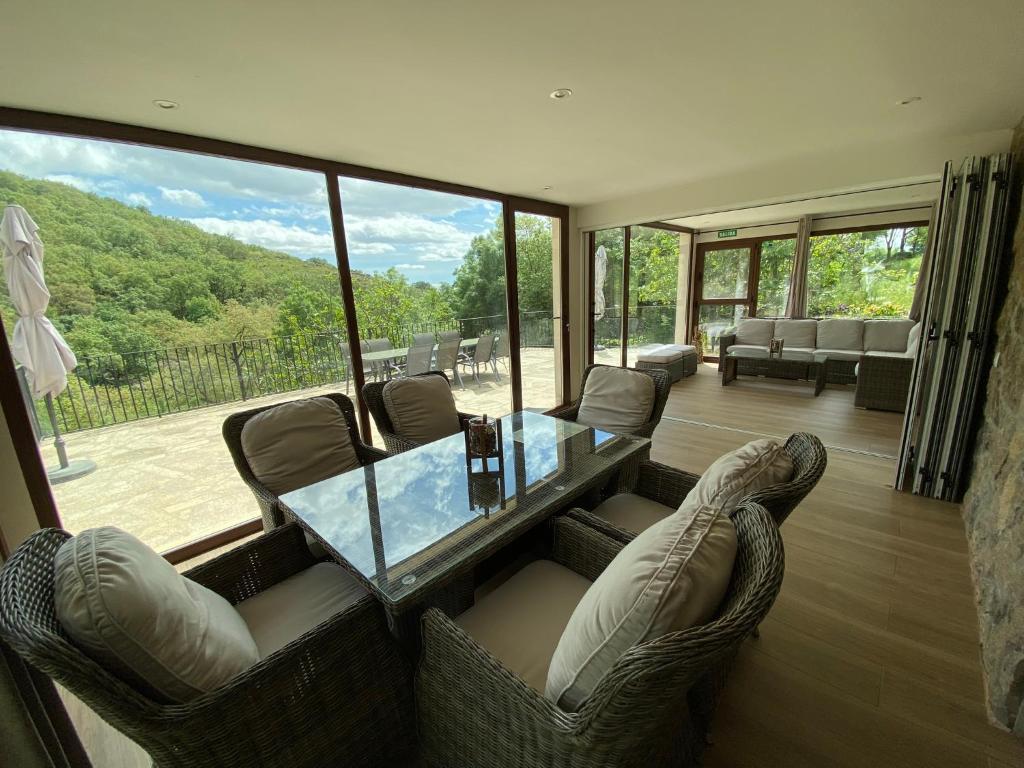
(870, 655)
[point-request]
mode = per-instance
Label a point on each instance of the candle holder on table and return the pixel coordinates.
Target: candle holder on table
(485, 463)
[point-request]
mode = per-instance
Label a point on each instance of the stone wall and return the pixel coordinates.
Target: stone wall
(994, 504)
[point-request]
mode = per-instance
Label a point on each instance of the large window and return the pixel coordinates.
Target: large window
(609, 260)
(775, 270)
(653, 282)
(869, 273)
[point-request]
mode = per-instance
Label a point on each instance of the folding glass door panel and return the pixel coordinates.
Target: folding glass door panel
(538, 275)
(724, 291)
(653, 286)
(774, 272)
(428, 270)
(609, 248)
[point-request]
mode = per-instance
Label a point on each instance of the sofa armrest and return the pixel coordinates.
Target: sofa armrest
(256, 565)
(725, 341)
(883, 382)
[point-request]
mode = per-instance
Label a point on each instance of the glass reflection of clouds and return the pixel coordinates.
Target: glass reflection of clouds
(382, 514)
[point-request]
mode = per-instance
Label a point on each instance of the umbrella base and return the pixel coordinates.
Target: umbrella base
(75, 469)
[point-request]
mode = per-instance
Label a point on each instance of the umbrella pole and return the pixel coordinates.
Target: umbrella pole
(58, 439)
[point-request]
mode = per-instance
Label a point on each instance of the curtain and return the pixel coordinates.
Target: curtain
(35, 730)
(796, 306)
(921, 289)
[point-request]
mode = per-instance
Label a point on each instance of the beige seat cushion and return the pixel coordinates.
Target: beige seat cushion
(797, 353)
(820, 355)
(841, 333)
(421, 408)
(616, 399)
(752, 467)
(669, 578)
(127, 608)
(746, 350)
(521, 622)
(660, 354)
(886, 335)
(293, 607)
(297, 444)
(754, 331)
(631, 512)
(797, 333)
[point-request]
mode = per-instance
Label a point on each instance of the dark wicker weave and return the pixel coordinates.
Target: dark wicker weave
(662, 387)
(883, 383)
(677, 369)
(324, 699)
(373, 396)
(651, 709)
(836, 371)
(273, 512)
(669, 486)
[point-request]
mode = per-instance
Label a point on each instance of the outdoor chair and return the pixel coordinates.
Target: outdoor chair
(444, 336)
(422, 340)
(653, 707)
(304, 445)
(605, 386)
(381, 369)
(657, 490)
(346, 354)
(501, 351)
(398, 440)
(418, 360)
(481, 357)
(338, 692)
(447, 357)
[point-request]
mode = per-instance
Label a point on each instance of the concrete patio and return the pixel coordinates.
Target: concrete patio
(170, 480)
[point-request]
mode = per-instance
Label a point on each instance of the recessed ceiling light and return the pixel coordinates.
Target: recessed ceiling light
(561, 93)
(908, 100)
(165, 104)
(547, 188)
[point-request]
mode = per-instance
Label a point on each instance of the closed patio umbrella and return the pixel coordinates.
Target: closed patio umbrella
(37, 345)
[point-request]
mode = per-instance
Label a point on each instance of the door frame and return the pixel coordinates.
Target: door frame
(753, 274)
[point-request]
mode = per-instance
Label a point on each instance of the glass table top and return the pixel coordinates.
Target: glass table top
(412, 519)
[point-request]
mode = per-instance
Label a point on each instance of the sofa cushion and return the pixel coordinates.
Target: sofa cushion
(754, 331)
(421, 408)
(914, 339)
(661, 354)
(841, 333)
(752, 467)
(134, 614)
(797, 353)
(821, 355)
(886, 354)
(291, 608)
(672, 576)
(797, 333)
(296, 444)
(631, 512)
(886, 335)
(616, 399)
(521, 621)
(747, 350)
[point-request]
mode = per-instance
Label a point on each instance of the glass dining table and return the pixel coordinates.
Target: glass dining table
(408, 525)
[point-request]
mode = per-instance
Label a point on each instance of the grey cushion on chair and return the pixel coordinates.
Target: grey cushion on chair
(616, 399)
(801, 334)
(291, 608)
(521, 621)
(421, 408)
(297, 444)
(841, 333)
(128, 609)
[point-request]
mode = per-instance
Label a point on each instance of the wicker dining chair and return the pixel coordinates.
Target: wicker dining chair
(669, 486)
(373, 396)
(270, 505)
(653, 708)
(662, 387)
(339, 694)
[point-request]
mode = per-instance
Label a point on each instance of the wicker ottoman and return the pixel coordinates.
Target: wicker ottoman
(678, 359)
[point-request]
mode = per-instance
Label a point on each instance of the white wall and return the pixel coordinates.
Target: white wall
(17, 517)
(818, 174)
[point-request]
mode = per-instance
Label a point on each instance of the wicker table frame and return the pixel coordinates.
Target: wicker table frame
(653, 707)
(774, 368)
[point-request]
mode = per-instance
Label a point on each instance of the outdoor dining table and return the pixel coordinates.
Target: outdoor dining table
(413, 526)
(384, 355)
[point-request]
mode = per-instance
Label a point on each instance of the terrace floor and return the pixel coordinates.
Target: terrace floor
(869, 656)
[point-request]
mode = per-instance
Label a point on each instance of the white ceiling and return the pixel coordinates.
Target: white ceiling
(889, 199)
(666, 92)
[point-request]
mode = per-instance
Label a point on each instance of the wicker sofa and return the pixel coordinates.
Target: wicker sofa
(652, 708)
(876, 355)
(322, 699)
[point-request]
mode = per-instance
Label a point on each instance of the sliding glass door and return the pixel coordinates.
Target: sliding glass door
(723, 290)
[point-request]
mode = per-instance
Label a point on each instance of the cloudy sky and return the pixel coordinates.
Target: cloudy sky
(423, 234)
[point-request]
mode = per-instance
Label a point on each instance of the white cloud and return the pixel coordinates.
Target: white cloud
(429, 240)
(438, 257)
(409, 266)
(183, 197)
(362, 197)
(72, 181)
(371, 249)
(138, 198)
(272, 234)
